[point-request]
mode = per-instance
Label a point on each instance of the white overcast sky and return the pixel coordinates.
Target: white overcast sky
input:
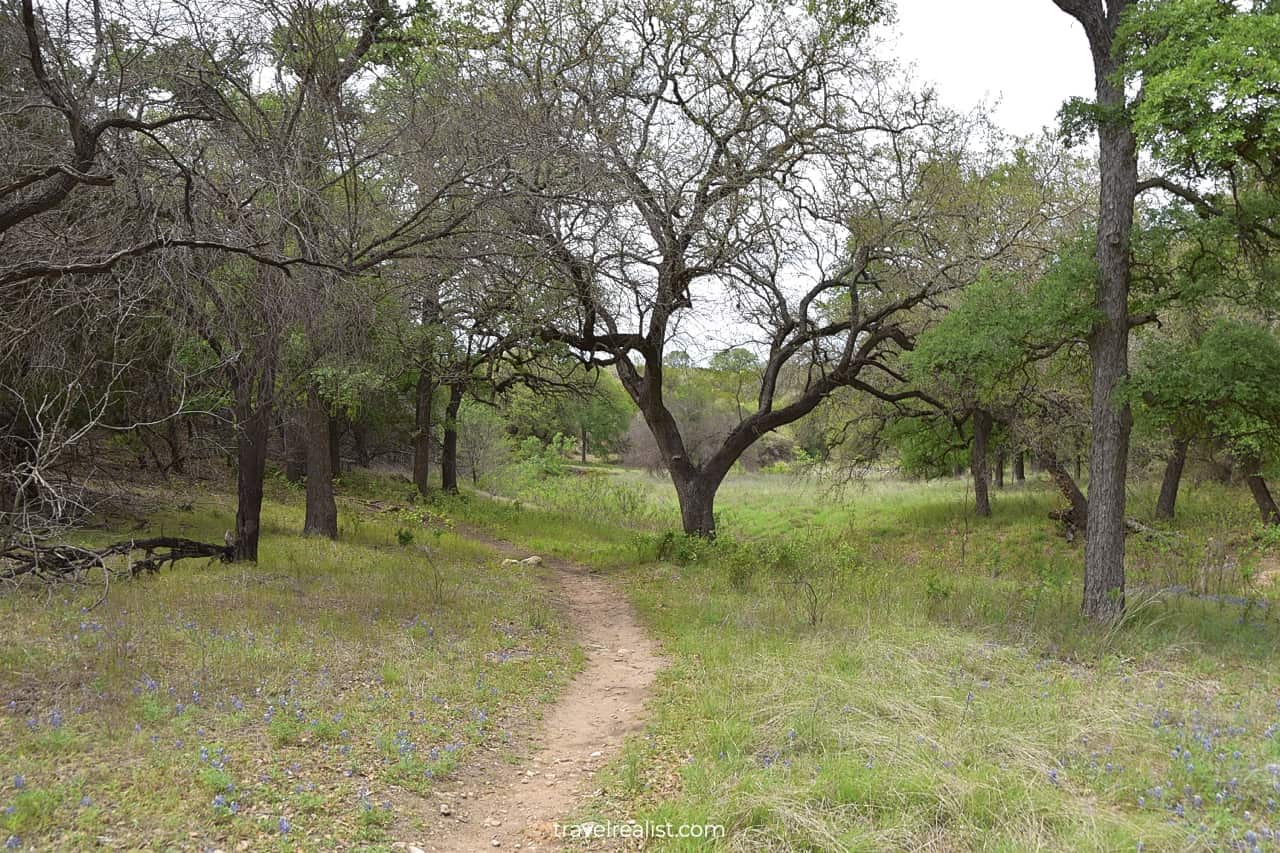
(1025, 55)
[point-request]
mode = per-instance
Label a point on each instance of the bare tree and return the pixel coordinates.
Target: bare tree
(749, 175)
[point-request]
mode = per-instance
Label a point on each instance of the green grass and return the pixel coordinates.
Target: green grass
(949, 695)
(328, 686)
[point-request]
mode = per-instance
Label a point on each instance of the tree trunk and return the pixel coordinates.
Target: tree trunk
(253, 429)
(295, 447)
(978, 462)
(1172, 478)
(322, 509)
(584, 445)
(422, 432)
(1000, 470)
(335, 446)
(360, 444)
(697, 505)
(173, 438)
(449, 452)
(1261, 494)
(1077, 513)
(1019, 466)
(1109, 337)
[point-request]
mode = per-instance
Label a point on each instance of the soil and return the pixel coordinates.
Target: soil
(518, 807)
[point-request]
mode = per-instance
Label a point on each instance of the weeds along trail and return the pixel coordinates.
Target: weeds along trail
(501, 805)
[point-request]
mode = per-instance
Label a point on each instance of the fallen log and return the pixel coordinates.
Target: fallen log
(68, 562)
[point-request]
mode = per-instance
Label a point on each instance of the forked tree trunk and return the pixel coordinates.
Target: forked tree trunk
(322, 509)
(449, 447)
(422, 432)
(1261, 494)
(697, 497)
(978, 462)
(1019, 466)
(1172, 478)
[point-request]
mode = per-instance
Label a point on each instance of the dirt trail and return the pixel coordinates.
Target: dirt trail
(517, 806)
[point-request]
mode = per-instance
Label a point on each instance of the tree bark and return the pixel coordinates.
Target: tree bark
(1077, 514)
(697, 498)
(1109, 337)
(335, 445)
(422, 432)
(1172, 478)
(449, 452)
(999, 470)
(1019, 466)
(173, 438)
(322, 509)
(360, 443)
(251, 467)
(253, 428)
(1261, 494)
(583, 440)
(978, 462)
(295, 448)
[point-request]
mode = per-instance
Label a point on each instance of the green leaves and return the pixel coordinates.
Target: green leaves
(1222, 386)
(1000, 325)
(1210, 75)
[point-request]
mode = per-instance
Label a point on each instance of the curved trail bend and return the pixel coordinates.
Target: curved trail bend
(518, 806)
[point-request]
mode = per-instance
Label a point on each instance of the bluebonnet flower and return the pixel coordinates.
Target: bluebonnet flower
(219, 801)
(284, 826)
(18, 781)
(85, 801)
(13, 842)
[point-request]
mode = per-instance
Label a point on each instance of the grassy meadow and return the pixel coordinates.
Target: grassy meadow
(860, 668)
(302, 703)
(874, 668)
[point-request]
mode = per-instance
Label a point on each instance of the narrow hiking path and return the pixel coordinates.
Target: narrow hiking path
(517, 806)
